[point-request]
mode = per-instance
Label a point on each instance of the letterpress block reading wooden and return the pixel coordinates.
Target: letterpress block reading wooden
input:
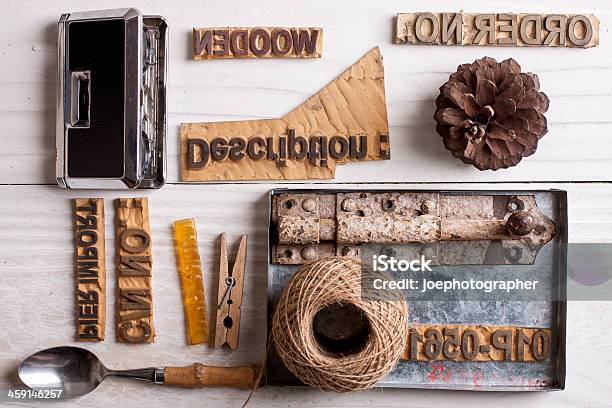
(257, 42)
(478, 343)
(90, 268)
(134, 296)
(553, 30)
(345, 121)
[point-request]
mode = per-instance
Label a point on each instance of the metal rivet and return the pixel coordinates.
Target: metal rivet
(309, 253)
(348, 251)
(539, 229)
(515, 204)
(349, 205)
(309, 205)
(389, 252)
(428, 206)
(428, 252)
(520, 223)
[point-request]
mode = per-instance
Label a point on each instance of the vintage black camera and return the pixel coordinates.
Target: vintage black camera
(111, 104)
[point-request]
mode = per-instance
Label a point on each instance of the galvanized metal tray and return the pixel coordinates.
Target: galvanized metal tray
(546, 308)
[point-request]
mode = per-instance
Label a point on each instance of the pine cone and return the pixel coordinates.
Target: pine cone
(490, 114)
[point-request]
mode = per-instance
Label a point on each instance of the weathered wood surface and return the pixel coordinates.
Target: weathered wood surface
(90, 261)
(38, 313)
(495, 29)
(344, 122)
(243, 89)
(578, 148)
(257, 42)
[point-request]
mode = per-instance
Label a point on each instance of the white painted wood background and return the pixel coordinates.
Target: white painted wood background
(36, 269)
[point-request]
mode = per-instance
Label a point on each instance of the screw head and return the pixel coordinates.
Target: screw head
(428, 252)
(349, 205)
(428, 206)
(348, 251)
(309, 253)
(520, 223)
(309, 205)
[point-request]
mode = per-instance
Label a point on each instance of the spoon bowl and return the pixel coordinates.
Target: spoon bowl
(73, 370)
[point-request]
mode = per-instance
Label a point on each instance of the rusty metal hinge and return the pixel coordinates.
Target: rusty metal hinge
(448, 228)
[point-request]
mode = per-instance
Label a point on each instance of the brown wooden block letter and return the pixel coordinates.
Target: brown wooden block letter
(134, 266)
(90, 268)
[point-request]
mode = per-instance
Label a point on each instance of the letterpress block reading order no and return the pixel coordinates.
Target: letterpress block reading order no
(492, 29)
(134, 296)
(90, 268)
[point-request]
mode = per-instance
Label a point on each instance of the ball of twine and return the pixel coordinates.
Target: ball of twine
(321, 284)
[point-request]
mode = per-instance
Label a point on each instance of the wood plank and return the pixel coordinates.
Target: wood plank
(28, 228)
(235, 90)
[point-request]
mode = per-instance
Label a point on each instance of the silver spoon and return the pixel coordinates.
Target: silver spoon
(76, 371)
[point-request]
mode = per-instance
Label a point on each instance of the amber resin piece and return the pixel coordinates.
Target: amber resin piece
(190, 271)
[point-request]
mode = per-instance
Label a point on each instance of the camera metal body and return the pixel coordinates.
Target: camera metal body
(111, 100)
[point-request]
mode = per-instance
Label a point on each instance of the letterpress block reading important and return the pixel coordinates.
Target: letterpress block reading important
(257, 42)
(492, 29)
(90, 268)
(134, 296)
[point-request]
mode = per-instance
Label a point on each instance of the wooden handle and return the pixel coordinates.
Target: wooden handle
(199, 375)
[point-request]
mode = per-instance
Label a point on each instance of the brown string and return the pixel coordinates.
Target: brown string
(321, 284)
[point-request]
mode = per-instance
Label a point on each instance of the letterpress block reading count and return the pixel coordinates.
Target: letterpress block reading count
(90, 267)
(134, 297)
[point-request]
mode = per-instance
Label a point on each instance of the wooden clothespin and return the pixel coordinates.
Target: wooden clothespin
(230, 295)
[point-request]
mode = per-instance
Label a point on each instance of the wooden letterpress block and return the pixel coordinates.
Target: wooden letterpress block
(344, 122)
(90, 263)
(463, 342)
(490, 29)
(257, 42)
(134, 267)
